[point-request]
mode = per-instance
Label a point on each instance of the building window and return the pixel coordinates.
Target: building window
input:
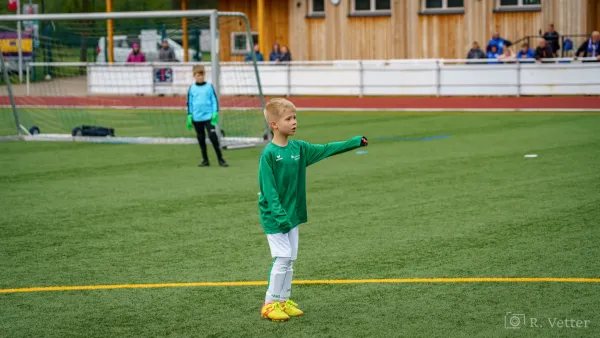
(240, 44)
(519, 3)
(443, 4)
(371, 5)
(316, 7)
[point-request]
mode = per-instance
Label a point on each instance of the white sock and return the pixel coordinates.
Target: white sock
(287, 283)
(277, 279)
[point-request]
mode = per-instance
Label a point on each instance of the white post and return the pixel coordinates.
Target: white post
(27, 78)
(19, 42)
(361, 75)
(214, 52)
(289, 79)
(518, 78)
(215, 71)
(438, 78)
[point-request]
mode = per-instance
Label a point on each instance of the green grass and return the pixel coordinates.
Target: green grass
(469, 205)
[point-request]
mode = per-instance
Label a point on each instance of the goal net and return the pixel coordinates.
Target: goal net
(69, 87)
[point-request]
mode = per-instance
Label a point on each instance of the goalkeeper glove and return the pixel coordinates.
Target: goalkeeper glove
(189, 123)
(215, 118)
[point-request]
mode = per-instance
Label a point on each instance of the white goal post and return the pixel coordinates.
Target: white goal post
(35, 109)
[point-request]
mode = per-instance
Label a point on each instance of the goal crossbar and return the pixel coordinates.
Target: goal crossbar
(118, 15)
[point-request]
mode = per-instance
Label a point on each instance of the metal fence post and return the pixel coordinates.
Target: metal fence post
(361, 89)
(152, 79)
(438, 78)
(27, 79)
(518, 78)
(289, 79)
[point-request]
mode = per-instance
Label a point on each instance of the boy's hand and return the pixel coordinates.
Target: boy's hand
(215, 118)
(189, 123)
(364, 142)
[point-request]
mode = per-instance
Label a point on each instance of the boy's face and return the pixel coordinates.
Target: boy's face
(199, 77)
(286, 124)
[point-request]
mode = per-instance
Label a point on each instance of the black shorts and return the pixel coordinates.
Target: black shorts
(200, 126)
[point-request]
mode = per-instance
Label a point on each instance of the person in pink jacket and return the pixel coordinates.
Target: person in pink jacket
(136, 55)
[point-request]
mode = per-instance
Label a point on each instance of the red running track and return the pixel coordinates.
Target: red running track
(449, 103)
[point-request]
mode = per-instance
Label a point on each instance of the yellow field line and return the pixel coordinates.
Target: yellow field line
(306, 282)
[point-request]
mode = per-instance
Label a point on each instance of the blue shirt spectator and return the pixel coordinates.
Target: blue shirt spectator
(496, 41)
(275, 53)
(525, 52)
(568, 45)
(259, 56)
(493, 54)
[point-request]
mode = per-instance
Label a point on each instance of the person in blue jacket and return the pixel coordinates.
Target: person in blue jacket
(203, 113)
(259, 56)
(493, 54)
(525, 52)
(275, 53)
(496, 41)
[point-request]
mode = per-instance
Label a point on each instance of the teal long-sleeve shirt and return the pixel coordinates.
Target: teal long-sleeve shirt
(282, 180)
(202, 101)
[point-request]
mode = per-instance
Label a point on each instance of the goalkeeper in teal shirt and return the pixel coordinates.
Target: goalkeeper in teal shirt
(203, 113)
(282, 200)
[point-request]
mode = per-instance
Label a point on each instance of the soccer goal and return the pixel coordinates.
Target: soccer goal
(60, 81)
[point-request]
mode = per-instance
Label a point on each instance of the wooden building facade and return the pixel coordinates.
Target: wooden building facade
(399, 29)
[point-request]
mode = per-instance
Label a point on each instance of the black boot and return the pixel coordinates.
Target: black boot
(222, 163)
(204, 164)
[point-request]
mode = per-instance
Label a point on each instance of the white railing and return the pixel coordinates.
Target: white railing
(431, 77)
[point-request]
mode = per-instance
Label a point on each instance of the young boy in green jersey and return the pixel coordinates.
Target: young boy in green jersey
(282, 200)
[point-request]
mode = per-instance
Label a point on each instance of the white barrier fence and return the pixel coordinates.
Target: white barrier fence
(354, 78)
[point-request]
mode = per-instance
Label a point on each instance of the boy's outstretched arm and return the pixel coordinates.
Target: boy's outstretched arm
(316, 152)
(268, 190)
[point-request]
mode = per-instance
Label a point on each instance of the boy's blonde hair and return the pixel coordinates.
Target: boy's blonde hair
(275, 108)
(198, 69)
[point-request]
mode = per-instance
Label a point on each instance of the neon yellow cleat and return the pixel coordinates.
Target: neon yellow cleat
(274, 312)
(291, 309)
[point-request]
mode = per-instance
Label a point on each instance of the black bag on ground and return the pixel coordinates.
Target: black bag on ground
(92, 131)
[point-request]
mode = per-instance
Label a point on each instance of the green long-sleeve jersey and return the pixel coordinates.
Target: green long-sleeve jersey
(282, 180)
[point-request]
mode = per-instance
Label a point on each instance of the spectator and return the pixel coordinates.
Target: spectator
(543, 51)
(568, 46)
(551, 36)
(136, 55)
(286, 56)
(493, 54)
(275, 53)
(496, 41)
(525, 52)
(259, 56)
(591, 47)
(166, 53)
(475, 52)
(508, 52)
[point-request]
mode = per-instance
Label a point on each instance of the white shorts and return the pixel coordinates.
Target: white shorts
(284, 245)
